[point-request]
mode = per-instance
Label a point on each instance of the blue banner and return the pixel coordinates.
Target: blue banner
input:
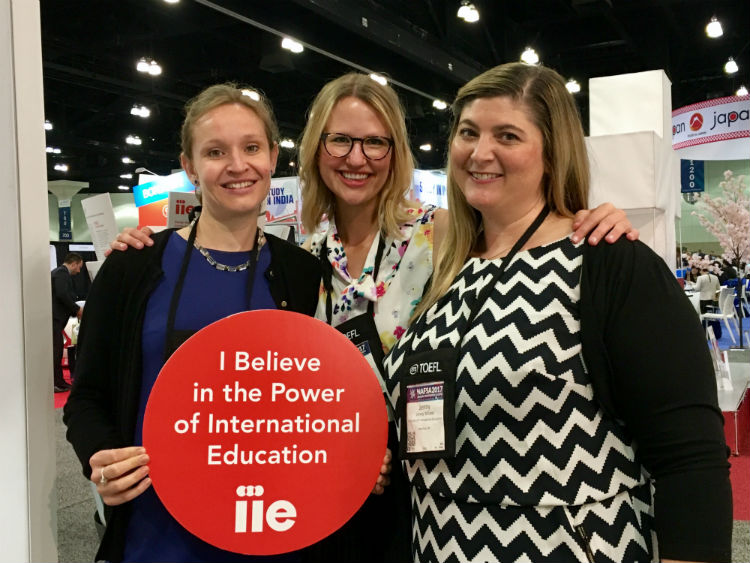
(66, 233)
(158, 189)
(692, 176)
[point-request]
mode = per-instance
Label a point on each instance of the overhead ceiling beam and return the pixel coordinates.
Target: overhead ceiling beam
(110, 84)
(369, 24)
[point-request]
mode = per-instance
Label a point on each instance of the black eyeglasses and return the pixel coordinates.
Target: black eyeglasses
(340, 145)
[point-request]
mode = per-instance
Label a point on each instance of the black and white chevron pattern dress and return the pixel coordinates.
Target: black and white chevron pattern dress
(540, 473)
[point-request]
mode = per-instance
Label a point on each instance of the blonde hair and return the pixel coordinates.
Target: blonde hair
(219, 95)
(565, 184)
(318, 199)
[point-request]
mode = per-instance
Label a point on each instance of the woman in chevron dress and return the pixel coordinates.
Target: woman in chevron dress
(556, 402)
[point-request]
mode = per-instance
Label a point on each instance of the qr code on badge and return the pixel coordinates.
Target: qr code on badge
(411, 440)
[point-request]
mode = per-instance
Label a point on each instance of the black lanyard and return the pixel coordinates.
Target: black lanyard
(174, 338)
(328, 276)
(435, 371)
(488, 287)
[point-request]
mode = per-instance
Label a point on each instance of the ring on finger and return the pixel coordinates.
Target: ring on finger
(103, 480)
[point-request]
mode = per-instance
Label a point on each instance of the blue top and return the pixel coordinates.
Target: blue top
(207, 296)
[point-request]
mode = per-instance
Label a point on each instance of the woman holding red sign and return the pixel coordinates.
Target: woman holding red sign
(143, 305)
(536, 409)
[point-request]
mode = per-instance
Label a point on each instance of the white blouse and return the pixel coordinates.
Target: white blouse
(405, 267)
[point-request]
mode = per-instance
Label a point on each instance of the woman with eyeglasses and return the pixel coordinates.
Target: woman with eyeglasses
(356, 168)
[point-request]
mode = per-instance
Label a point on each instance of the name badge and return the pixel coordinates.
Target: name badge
(362, 332)
(427, 405)
(425, 431)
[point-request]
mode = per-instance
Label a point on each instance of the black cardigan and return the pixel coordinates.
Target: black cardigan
(102, 409)
(647, 355)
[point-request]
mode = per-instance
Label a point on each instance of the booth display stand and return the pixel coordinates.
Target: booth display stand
(630, 150)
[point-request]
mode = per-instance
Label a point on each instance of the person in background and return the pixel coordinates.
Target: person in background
(708, 286)
(143, 305)
(64, 306)
(728, 272)
(692, 274)
(377, 252)
(553, 406)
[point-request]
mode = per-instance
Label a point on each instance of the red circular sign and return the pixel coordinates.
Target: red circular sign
(266, 432)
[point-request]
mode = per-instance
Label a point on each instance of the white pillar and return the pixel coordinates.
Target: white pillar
(28, 501)
(64, 190)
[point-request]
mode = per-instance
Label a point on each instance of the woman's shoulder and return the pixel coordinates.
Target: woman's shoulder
(284, 250)
(133, 256)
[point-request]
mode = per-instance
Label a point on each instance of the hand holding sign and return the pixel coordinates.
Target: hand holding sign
(121, 474)
(256, 415)
(383, 479)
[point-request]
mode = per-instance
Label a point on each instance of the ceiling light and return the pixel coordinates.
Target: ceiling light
(529, 56)
(154, 69)
(439, 104)
(731, 67)
(291, 164)
(427, 147)
(468, 12)
(171, 1)
(47, 125)
(573, 86)
(126, 176)
(291, 45)
(380, 79)
(252, 94)
(127, 160)
(742, 91)
(140, 111)
(287, 143)
(53, 150)
(133, 140)
(121, 187)
(61, 167)
(713, 29)
(148, 66)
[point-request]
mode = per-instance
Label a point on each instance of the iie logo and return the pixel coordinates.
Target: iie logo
(279, 515)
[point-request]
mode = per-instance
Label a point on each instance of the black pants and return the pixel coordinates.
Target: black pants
(58, 343)
(706, 303)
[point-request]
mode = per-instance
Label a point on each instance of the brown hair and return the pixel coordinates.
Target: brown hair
(565, 185)
(72, 258)
(219, 95)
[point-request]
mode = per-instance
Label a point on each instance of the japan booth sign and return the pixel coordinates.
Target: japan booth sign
(285, 434)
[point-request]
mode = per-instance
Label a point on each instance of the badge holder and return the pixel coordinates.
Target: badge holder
(427, 404)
